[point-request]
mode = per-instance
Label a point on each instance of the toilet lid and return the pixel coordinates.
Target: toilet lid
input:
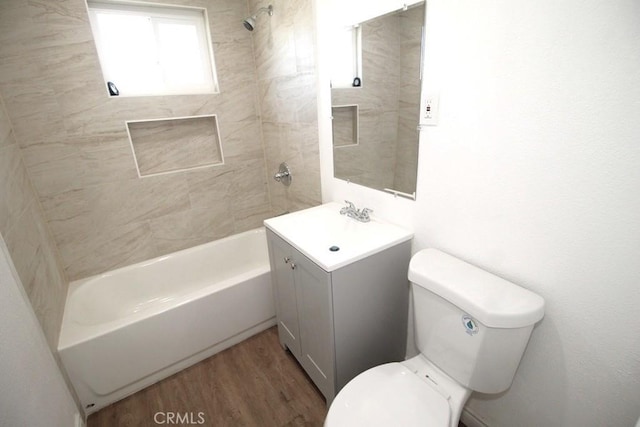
(388, 395)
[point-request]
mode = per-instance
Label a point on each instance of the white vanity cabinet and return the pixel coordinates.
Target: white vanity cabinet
(343, 314)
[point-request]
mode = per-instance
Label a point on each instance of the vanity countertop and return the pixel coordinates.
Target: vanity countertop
(313, 231)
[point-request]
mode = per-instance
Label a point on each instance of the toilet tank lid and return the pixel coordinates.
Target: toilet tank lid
(495, 302)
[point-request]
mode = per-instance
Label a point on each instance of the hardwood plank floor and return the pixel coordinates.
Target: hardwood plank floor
(254, 383)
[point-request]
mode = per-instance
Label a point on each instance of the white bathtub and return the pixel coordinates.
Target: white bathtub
(129, 328)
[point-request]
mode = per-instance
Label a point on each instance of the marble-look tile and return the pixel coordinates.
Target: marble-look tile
(99, 115)
(289, 99)
(44, 282)
(53, 167)
(271, 136)
(23, 67)
(241, 140)
(15, 15)
(78, 163)
(287, 95)
(344, 125)
(188, 106)
(235, 104)
(47, 297)
(240, 186)
(34, 112)
(107, 248)
(126, 201)
(304, 34)
(226, 26)
(191, 228)
(274, 41)
(24, 241)
(97, 219)
(41, 23)
(73, 71)
(210, 187)
(59, 23)
(172, 233)
(252, 218)
(297, 145)
(234, 64)
(214, 223)
(249, 185)
(217, 7)
(169, 145)
(306, 106)
(6, 132)
(15, 189)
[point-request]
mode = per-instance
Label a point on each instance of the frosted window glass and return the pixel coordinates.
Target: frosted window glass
(345, 57)
(147, 50)
(180, 54)
(129, 53)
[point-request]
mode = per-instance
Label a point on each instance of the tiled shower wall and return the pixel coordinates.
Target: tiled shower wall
(27, 237)
(75, 147)
(285, 52)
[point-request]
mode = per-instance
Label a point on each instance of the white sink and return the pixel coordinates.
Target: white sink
(313, 231)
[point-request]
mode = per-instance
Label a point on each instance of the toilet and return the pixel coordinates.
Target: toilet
(471, 328)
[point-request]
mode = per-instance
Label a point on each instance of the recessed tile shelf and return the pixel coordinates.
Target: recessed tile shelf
(162, 146)
(345, 125)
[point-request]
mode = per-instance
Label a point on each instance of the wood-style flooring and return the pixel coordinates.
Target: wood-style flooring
(254, 383)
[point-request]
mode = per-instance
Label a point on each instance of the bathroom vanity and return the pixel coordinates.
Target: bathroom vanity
(341, 292)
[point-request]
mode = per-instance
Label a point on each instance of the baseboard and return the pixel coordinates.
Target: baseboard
(471, 420)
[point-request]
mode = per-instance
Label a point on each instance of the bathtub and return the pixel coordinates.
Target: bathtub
(129, 328)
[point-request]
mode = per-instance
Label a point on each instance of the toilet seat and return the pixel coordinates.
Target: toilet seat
(387, 395)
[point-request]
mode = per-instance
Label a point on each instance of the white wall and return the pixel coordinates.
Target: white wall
(533, 173)
(32, 390)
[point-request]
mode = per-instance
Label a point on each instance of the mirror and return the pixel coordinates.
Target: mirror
(375, 98)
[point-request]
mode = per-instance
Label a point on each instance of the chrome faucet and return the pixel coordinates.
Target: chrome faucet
(351, 211)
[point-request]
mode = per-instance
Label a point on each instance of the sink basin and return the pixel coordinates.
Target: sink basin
(318, 230)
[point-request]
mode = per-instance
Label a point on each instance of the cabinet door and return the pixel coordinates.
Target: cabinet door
(285, 293)
(316, 323)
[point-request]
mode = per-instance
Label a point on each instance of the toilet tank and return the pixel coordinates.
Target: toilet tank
(470, 323)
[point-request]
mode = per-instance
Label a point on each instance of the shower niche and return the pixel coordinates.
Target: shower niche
(162, 146)
(345, 125)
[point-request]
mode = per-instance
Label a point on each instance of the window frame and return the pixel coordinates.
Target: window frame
(355, 58)
(159, 13)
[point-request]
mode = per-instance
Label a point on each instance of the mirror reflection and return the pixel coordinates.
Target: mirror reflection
(376, 100)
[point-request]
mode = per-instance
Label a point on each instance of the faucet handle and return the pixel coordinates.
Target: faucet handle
(364, 214)
(349, 209)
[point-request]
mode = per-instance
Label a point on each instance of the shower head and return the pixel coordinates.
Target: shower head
(250, 22)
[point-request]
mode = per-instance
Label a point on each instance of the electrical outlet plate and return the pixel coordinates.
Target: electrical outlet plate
(429, 111)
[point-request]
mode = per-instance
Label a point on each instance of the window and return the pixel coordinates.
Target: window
(346, 57)
(152, 50)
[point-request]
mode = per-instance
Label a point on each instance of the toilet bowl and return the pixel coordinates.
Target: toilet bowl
(410, 393)
(471, 328)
